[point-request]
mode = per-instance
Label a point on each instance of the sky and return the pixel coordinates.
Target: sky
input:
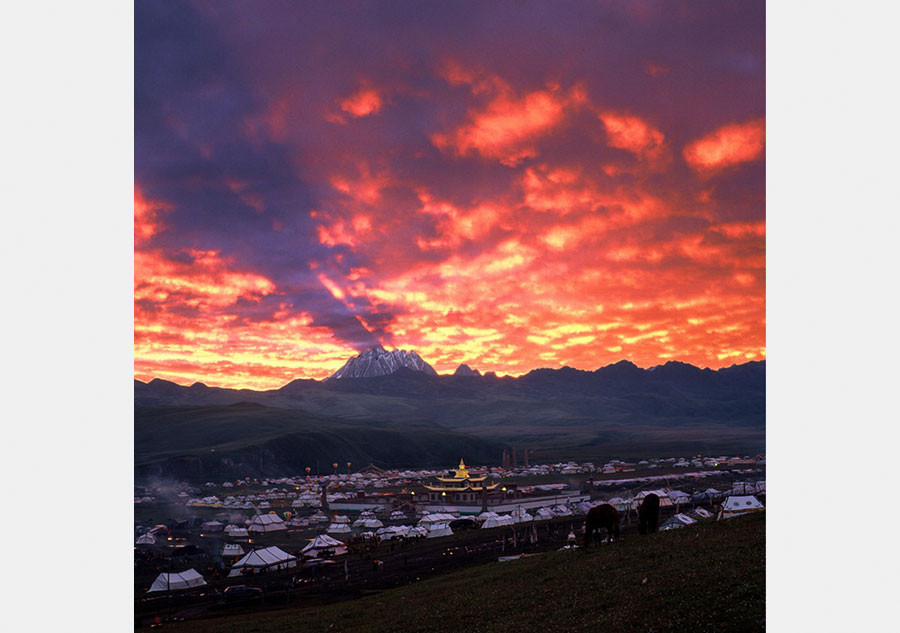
(510, 185)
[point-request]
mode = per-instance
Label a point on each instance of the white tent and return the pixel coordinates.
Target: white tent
(267, 523)
(212, 526)
(503, 519)
(236, 532)
(232, 549)
(677, 521)
(439, 529)
(543, 514)
(264, 559)
(664, 500)
(372, 523)
(678, 497)
(184, 580)
(145, 539)
(702, 513)
(738, 505)
(398, 515)
(523, 517)
(324, 543)
(340, 518)
(484, 516)
(338, 528)
(318, 517)
(387, 533)
(562, 511)
(437, 517)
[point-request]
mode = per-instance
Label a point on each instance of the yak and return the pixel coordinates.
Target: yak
(604, 516)
(648, 515)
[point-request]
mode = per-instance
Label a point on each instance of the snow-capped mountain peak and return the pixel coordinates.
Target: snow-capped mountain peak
(380, 362)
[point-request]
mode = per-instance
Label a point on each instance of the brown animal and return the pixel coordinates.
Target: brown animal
(604, 516)
(648, 515)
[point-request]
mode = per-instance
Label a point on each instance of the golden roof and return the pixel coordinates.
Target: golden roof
(461, 474)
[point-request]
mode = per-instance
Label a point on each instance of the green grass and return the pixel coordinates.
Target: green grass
(706, 578)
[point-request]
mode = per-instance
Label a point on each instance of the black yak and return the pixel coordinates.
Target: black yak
(648, 515)
(604, 516)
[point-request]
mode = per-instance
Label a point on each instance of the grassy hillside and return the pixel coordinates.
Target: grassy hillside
(197, 442)
(707, 578)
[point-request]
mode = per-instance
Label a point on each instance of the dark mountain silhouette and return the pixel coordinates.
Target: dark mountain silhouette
(465, 370)
(619, 409)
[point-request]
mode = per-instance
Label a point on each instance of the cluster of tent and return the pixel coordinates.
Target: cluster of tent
(748, 488)
(733, 506)
(490, 519)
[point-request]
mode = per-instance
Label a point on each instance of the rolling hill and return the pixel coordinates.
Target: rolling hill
(619, 409)
(249, 439)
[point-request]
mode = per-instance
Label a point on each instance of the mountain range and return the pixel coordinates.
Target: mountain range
(617, 410)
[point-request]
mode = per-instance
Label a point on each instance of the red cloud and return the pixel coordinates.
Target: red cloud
(727, 146)
(633, 134)
(146, 217)
(187, 326)
(363, 103)
(507, 127)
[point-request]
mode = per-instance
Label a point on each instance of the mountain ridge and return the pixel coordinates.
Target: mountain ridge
(380, 362)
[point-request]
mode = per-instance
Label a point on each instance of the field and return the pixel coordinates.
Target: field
(706, 578)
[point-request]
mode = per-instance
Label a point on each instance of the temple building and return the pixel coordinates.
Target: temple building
(462, 487)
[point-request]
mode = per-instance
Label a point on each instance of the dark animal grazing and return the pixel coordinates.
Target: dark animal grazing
(648, 515)
(605, 517)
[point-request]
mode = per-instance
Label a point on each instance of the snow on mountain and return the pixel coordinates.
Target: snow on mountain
(380, 362)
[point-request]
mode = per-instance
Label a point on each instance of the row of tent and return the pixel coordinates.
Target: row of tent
(274, 558)
(735, 505)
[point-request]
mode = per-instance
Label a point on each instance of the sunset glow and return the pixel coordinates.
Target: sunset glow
(576, 201)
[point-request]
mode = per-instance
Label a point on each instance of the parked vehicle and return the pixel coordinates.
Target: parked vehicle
(236, 593)
(463, 524)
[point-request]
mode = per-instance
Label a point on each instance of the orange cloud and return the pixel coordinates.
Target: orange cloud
(188, 326)
(520, 304)
(727, 146)
(633, 134)
(506, 128)
(205, 283)
(456, 225)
